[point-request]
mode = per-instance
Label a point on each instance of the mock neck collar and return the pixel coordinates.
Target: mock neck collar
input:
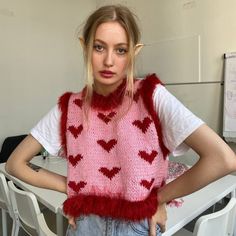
(110, 101)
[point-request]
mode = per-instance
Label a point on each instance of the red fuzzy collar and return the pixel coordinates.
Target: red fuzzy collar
(110, 101)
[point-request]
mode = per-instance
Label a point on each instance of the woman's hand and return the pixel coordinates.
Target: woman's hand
(160, 218)
(71, 221)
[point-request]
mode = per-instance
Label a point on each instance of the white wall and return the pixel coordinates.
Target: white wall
(40, 58)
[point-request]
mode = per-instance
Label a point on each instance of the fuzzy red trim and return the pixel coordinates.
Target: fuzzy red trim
(148, 87)
(63, 105)
(111, 101)
(110, 207)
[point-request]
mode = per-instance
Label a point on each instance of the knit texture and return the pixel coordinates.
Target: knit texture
(117, 159)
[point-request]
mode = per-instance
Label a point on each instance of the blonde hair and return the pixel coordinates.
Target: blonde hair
(126, 19)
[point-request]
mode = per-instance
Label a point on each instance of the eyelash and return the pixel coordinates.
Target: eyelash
(98, 47)
(119, 51)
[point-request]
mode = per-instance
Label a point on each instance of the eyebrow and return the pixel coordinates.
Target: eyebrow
(118, 44)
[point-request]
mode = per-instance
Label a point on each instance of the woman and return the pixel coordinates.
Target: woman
(116, 135)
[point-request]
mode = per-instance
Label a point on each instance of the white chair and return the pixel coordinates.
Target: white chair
(26, 209)
(5, 205)
(220, 223)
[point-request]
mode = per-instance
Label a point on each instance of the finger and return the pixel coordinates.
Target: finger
(163, 228)
(71, 222)
(152, 228)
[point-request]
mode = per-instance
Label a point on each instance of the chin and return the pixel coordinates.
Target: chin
(109, 81)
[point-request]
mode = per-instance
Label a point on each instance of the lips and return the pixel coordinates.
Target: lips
(106, 73)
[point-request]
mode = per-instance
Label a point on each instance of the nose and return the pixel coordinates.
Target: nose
(109, 59)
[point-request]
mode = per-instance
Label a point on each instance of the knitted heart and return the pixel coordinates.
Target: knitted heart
(143, 125)
(106, 118)
(109, 173)
(75, 130)
(148, 157)
(147, 184)
(136, 95)
(74, 160)
(77, 186)
(107, 145)
(78, 102)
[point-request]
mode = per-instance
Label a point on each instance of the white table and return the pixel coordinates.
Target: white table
(194, 204)
(51, 199)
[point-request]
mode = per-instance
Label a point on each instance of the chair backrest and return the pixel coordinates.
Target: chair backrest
(4, 195)
(220, 223)
(25, 206)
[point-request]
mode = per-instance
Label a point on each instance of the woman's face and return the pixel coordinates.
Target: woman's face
(109, 57)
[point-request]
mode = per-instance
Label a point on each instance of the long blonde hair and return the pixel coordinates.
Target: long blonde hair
(126, 19)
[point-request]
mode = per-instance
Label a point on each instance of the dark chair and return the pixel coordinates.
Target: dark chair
(8, 146)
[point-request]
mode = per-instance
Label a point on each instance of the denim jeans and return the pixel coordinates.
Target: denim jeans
(94, 225)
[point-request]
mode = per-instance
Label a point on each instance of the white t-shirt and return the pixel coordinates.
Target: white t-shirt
(177, 124)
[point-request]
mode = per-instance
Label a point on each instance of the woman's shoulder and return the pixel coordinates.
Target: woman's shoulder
(148, 86)
(64, 99)
(148, 82)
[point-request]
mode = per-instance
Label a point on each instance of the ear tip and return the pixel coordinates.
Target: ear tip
(81, 39)
(139, 45)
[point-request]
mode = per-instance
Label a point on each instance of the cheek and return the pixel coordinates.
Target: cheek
(123, 64)
(95, 59)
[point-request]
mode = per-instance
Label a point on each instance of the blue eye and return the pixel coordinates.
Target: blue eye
(121, 51)
(98, 47)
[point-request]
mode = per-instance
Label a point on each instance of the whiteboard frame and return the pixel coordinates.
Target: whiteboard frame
(229, 136)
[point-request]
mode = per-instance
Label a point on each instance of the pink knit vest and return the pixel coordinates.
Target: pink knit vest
(116, 159)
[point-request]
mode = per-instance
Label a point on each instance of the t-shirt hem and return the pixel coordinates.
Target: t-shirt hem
(180, 147)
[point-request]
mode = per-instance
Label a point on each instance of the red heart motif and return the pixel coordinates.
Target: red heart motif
(110, 173)
(148, 157)
(107, 145)
(75, 130)
(74, 160)
(143, 125)
(78, 102)
(136, 95)
(147, 184)
(106, 118)
(77, 186)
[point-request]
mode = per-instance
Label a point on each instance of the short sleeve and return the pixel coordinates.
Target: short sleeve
(47, 131)
(176, 120)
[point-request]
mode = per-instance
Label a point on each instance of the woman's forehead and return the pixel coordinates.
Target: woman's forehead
(111, 32)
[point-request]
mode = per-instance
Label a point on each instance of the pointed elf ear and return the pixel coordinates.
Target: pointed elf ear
(137, 48)
(82, 42)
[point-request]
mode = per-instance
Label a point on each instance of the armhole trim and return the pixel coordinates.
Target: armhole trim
(63, 105)
(148, 86)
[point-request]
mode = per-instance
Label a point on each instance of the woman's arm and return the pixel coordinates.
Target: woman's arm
(17, 166)
(216, 160)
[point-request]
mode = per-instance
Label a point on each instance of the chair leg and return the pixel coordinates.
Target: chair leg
(4, 222)
(15, 228)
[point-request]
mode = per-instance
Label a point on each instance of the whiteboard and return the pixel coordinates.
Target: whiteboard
(229, 116)
(175, 60)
